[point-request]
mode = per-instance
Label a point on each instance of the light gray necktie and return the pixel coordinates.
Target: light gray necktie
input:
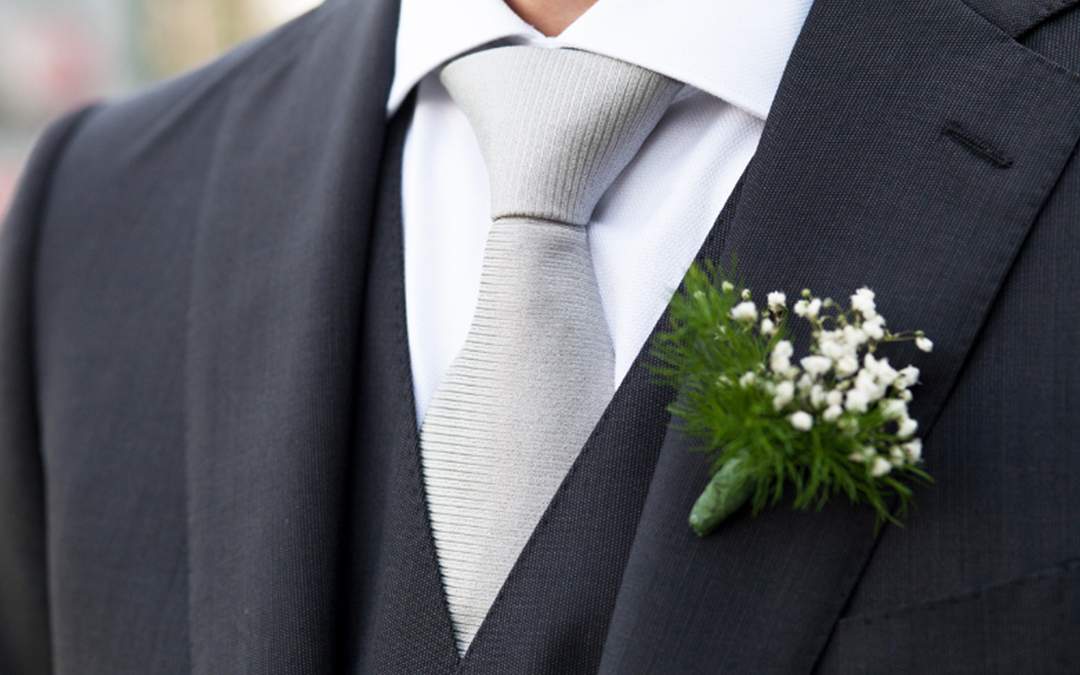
(537, 370)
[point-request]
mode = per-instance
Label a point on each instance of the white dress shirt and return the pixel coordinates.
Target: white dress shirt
(649, 226)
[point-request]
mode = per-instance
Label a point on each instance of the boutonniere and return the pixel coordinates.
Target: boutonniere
(832, 423)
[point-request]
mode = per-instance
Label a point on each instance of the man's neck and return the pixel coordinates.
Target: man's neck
(550, 17)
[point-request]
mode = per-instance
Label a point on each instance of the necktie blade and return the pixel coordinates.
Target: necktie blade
(556, 127)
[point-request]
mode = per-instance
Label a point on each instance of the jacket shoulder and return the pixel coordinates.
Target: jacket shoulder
(118, 131)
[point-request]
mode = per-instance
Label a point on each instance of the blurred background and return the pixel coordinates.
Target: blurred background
(55, 54)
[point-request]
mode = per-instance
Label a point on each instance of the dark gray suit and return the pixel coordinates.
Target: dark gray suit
(208, 454)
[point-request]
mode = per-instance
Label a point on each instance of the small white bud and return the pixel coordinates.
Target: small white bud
(867, 384)
(855, 336)
(816, 365)
(880, 467)
(780, 358)
(863, 302)
(744, 311)
(856, 401)
(832, 348)
(777, 301)
(925, 344)
(785, 391)
(874, 328)
(727, 287)
(913, 449)
(907, 427)
(832, 413)
(847, 366)
(880, 369)
(893, 409)
(767, 327)
(748, 378)
(907, 377)
(801, 420)
(785, 348)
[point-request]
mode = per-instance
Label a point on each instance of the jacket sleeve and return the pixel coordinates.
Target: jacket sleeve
(24, 613)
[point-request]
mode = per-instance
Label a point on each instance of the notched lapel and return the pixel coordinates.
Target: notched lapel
(909, 149)
(271, 341)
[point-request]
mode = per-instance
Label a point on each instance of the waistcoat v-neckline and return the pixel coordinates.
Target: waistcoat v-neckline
(552, 612)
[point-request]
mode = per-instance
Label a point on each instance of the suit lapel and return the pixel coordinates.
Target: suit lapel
(909, 148)
(272, 329)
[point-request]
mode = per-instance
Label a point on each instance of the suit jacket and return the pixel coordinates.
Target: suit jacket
(206, 442)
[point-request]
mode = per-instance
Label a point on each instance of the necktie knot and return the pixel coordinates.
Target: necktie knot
(555, 126)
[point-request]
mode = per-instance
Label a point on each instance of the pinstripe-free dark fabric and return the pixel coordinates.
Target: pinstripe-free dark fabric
(208, 459)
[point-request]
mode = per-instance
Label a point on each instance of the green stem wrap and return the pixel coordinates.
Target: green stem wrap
(728, 490)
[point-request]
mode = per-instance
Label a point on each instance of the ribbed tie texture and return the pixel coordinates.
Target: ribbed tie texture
(517, 404)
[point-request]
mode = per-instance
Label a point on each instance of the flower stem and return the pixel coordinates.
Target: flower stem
(728, 490)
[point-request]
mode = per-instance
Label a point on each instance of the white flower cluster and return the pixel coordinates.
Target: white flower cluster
(841, 381)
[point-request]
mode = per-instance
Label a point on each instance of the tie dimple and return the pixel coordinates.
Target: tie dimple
(555, 128)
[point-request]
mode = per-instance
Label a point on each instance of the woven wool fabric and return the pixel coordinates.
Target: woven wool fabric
(556, 128)
(207, 456)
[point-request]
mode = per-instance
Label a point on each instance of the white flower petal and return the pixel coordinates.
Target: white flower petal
(907, 427)
(785, 392)
(894, 409)
(816, 365)
(801, 420)
(780, 358)
(777, 301)
(874, 328)
(863, 302)
(744, 311)
(908, 377)
(854, 336)
(856, 401)
(913, 449)
(847, 366)
(880, 467)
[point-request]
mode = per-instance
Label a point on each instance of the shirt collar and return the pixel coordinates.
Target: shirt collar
(735, 50)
